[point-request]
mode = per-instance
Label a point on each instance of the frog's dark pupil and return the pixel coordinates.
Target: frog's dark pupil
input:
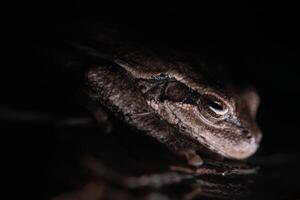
(215, 105)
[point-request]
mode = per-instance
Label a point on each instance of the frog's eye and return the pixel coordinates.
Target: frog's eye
(214, 107)
(217, 107)
(175, 91)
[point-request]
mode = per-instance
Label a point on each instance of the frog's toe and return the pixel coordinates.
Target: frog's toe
(192, 158)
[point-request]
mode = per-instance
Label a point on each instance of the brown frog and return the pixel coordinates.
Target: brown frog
(182, 104)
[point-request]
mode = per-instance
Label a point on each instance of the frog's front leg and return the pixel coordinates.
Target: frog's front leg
(191, 156)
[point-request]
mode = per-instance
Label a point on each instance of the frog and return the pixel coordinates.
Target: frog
(181, 101)
(178, 103)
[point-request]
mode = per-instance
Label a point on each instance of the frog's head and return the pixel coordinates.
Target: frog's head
(223, 122)
(220, 118)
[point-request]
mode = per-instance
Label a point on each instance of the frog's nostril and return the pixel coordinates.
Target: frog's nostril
(249, 136)
(247, 133)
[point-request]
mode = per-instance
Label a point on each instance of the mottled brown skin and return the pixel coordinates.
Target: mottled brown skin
(179, 106)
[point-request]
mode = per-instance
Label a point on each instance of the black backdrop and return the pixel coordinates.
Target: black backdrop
(258, 40)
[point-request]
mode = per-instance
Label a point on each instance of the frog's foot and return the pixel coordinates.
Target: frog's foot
(192, 158)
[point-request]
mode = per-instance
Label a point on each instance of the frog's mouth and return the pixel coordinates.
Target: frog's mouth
(221, 148)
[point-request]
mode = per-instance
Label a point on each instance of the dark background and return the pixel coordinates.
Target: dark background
(259, 41)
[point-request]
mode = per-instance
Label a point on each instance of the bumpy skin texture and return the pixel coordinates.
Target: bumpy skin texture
(182, 104)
